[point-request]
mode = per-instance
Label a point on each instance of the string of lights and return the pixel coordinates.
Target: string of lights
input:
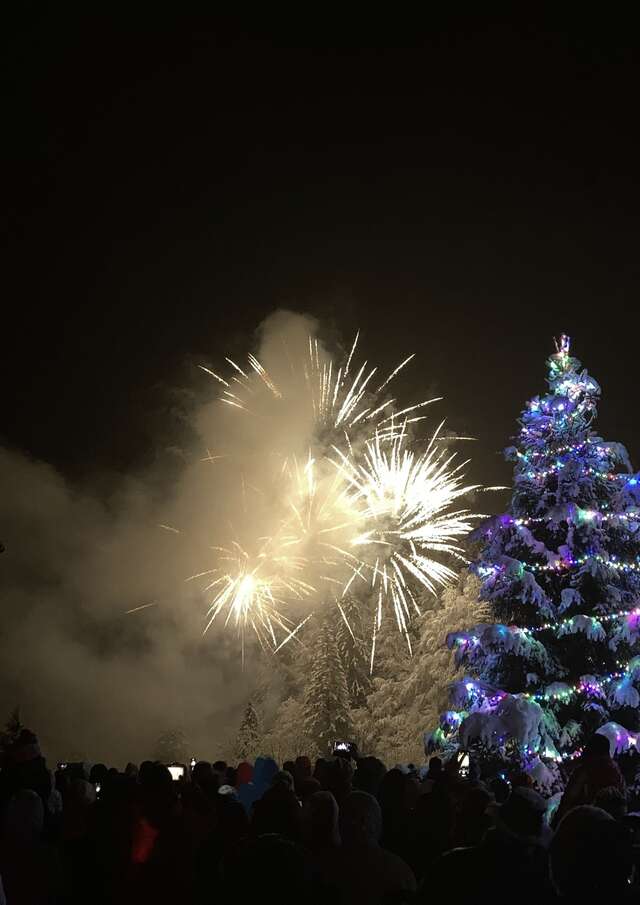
(560, 692)
(590, 625)
(589, 470)
(583, 515)
(560, 565)
(582, 686)
(556, 626)
(565, 448)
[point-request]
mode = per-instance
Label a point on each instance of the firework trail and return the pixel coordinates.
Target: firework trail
(338, 400)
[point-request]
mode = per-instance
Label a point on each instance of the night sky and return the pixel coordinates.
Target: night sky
(463, 189)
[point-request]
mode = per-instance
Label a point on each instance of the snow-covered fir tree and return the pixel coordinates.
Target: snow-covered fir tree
(409, 692)
(248, 738)
(561, 572)
(327, 715)
(12, 728)
(286, 738)
(352, 648)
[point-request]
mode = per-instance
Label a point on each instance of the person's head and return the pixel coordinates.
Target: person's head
(500, 789)
(597, 746)
(202, 773)
(98, 773)
(368, 775)
(278, 811)
(145, 771)
(80, 794)
(264, 771)
(435, 768)
(320, 819)
(159, 798)
(231, 776)
(435, 818)
(307, 788)
(360, 820)
(613, 801)
(289, 766)
(131, 770)
(24, 817)
(302, 767)
(282, 778)
(227, 791)
(590, 852)
(392, 790)
(220, 766)
(320, 770)
(244, 773)
(523, 813)
(339, 773)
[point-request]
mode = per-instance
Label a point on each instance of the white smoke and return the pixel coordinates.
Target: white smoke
(90, 679)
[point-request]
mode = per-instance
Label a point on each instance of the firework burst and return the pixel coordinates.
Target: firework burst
(253, 590)
(403, 500)
(366, 505)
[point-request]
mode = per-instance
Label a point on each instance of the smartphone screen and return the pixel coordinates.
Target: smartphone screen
(176, 771)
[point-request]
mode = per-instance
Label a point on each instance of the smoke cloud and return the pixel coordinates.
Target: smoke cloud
(92, 679)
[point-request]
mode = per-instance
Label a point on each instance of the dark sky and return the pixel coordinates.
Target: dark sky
(464, 189)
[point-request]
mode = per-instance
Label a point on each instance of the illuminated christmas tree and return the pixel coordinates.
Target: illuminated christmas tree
(561, 573)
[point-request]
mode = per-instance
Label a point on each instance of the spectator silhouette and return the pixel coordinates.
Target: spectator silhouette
(613, 801)
(278, 811)
(434, 774)
(98, 773)
(244, 774)
(29, 867)
(431, 828)
(511, 857)
(301, 773)
(394, 796)
(369, 774)
(320, 823)
(268, 869)
(596, 770)
(363, 872)
(338, 773)
(591, 853)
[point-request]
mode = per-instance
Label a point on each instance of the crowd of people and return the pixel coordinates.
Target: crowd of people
(344, 830)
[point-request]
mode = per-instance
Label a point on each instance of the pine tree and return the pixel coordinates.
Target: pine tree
(408, 693)
(12, 728)
(327, 715)
(287, 739)
(247, 740)
(561, 572)
(352, 649)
